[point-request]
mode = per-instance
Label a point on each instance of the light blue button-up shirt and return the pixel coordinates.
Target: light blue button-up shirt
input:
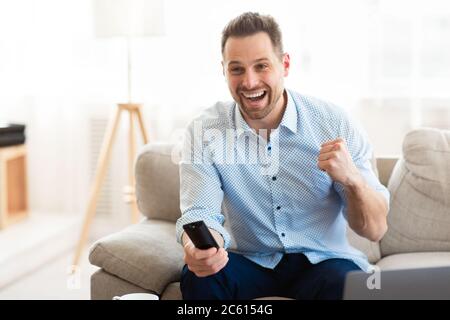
(270, 198)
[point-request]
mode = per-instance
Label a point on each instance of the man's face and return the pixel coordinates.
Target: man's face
(255, 74)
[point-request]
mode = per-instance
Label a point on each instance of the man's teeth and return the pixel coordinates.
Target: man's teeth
(253, 95)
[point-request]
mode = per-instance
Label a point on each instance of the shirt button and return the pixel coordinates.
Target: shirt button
(274, 178)
(283, 234)
(278, 208)
(269, 148)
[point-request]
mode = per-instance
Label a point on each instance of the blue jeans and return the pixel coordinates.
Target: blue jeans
(294, 277)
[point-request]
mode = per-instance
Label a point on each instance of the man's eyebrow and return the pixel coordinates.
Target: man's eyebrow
(255, 61)
(261, 59)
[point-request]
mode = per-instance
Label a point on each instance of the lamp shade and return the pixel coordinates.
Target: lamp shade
(129, 18)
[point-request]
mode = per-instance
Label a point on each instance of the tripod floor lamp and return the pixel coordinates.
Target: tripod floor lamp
(128, 19)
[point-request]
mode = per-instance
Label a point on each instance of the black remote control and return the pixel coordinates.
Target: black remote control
(200, 235)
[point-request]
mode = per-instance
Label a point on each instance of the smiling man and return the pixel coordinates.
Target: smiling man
(282, 232)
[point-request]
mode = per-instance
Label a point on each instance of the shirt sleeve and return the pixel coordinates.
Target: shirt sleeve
(201, 193)
(361, 152)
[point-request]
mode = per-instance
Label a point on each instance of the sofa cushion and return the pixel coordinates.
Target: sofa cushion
(158, 182)
(415, 260)
(172, 292)
(419, 216)
(105, 286)
(145, 254)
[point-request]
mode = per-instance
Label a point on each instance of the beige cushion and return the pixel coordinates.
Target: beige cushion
(415, 260)
(419, 216)
(158, 182)
(105, 286)
(385, 165)
(172, 292)
(145, 254)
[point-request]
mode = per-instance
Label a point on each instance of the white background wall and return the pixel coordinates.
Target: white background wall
(381, 60)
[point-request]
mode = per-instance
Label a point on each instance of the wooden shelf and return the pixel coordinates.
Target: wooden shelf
(13, 185)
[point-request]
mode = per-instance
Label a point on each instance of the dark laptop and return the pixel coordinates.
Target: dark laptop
(404, 284)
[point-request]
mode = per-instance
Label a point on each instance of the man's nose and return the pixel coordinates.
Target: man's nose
(250, 80)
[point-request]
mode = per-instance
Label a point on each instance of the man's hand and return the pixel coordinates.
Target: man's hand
(205, 262)
(335, 159)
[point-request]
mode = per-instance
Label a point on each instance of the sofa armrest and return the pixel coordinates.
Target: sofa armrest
(145, 254)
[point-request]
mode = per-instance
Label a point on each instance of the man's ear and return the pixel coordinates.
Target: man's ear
(223, 68)
(286, 64)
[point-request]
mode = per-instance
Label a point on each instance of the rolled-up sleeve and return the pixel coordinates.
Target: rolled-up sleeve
(201, 193)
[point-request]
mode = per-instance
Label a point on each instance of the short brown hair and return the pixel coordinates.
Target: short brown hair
(250, 23)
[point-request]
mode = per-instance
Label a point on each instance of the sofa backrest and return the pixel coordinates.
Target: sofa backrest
(419, 215)
(158, 182)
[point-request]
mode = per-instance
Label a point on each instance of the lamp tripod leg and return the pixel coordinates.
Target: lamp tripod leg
(131, 197)
(102, 166)
(142, 126)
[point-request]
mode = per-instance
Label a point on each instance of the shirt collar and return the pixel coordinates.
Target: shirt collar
(290, 116)
(241, 124)
(289, 119)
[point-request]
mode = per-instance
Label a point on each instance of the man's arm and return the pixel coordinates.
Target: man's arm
(366, 208)
(201, 193)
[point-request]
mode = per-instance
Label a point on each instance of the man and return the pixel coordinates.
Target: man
(280, 222)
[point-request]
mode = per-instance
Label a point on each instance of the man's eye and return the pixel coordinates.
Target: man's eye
(236, 70)
(262, 66)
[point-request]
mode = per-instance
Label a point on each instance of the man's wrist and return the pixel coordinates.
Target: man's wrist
(354, 183)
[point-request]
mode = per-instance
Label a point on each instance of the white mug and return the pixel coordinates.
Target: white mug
(137, 296)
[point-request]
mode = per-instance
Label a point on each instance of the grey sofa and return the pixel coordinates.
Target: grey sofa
(145, 257)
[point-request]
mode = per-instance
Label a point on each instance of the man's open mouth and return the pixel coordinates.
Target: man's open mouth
(255, 96)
